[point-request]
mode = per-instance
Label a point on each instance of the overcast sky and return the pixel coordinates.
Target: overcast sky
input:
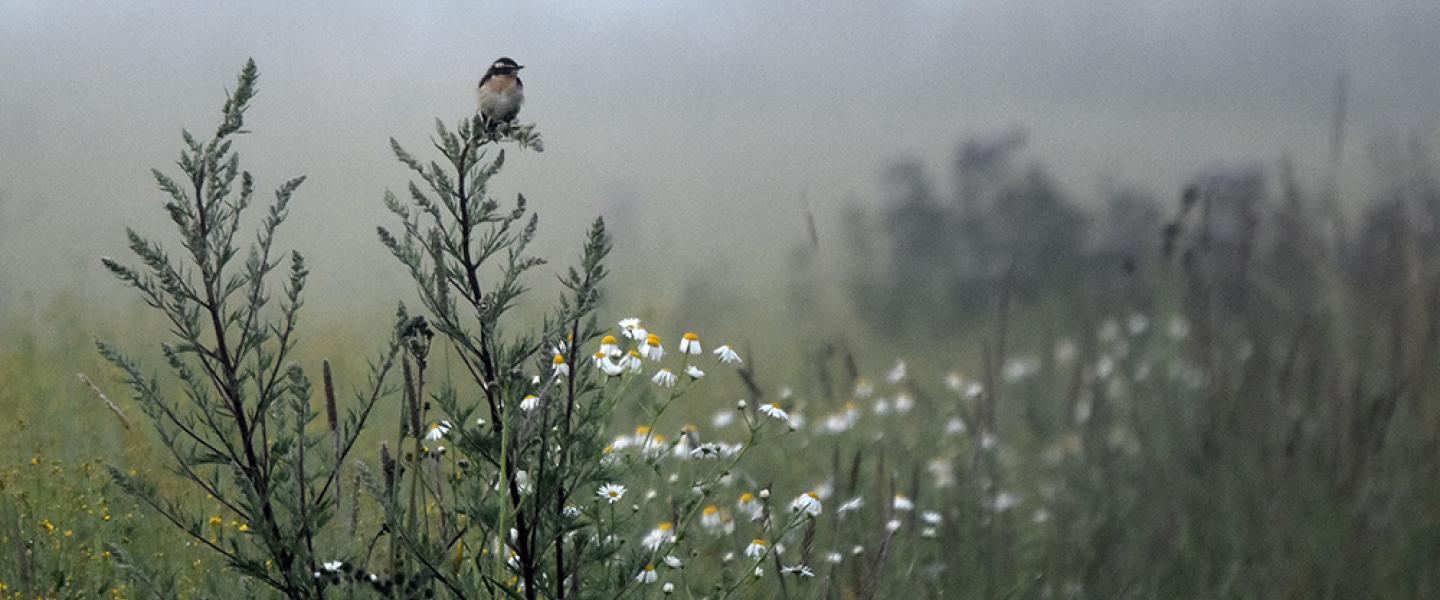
(696, 124)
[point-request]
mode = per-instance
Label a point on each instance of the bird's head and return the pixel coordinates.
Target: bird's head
(504, 66)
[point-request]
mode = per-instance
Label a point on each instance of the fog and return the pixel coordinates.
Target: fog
(696, 129)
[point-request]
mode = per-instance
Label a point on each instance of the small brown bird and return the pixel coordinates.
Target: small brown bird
(501, 91)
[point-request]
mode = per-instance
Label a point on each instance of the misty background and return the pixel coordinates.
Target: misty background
(701, 132)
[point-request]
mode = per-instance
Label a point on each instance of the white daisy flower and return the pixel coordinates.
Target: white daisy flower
(897, 373)
(801, 570)
(437, 431)
(664, 378)
(931, 517)
(610, 346)
(863, 389)
(631, 362)
(560, 368)
(893, 525)
(929, 533)
(882, 406)
(665, 532)
(647, 575)
(749, 505)
(953, 381)
(722, 419)
(851, 505)
(690, 343)
(611, 492)
(631, 328)
(332, 565)
(774, 411)
(903, 503)
(694, 372)
(707, 450)
(530, 403)
(673, 562)
(608, 364)
(808, 503)
(904, 402)
(756, 549)
(834, 558)
(1004, 501)
(651, 349)
(727, 355)
(710, 517)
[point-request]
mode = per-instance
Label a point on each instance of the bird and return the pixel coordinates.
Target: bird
(501, 91)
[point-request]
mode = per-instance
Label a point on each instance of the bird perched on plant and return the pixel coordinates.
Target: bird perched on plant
(501, 91)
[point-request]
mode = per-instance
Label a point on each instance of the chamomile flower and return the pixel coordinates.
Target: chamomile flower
(903, 503)
(904, 402)
(710, 517)
(664, 378)
(631, 329)
(756, 549)
(863, 389)
(332, 565)
(707, 450)
(662, 533)
(437, 431)
(560, 368)
(607, 364)
(631, 362)
(647, 575)
(722, 419)
(808, 503)
(610, 346)
(748, 504)
(851, 505)
(931, 517)
(834, 558)
(690, 343)
(652, 349)
(611, 492)
(694, 372)
(897, 373)
(668, 588)
(801, 570)
(774, 411)
(727, 355)
(674, 562)
(892, 525)
(530, 403)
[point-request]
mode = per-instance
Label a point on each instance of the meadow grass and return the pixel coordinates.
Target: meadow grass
(1243, 407)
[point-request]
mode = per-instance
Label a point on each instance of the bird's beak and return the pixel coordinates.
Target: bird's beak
(518, 67)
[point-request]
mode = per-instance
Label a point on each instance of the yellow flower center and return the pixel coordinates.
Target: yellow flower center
(747, 497)
(710, 510)
(642, 429)
(690, 335)
(559, 359)
(609, 340)
(757, 542)
(652, 340)
(666, 526)
(813, 495)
